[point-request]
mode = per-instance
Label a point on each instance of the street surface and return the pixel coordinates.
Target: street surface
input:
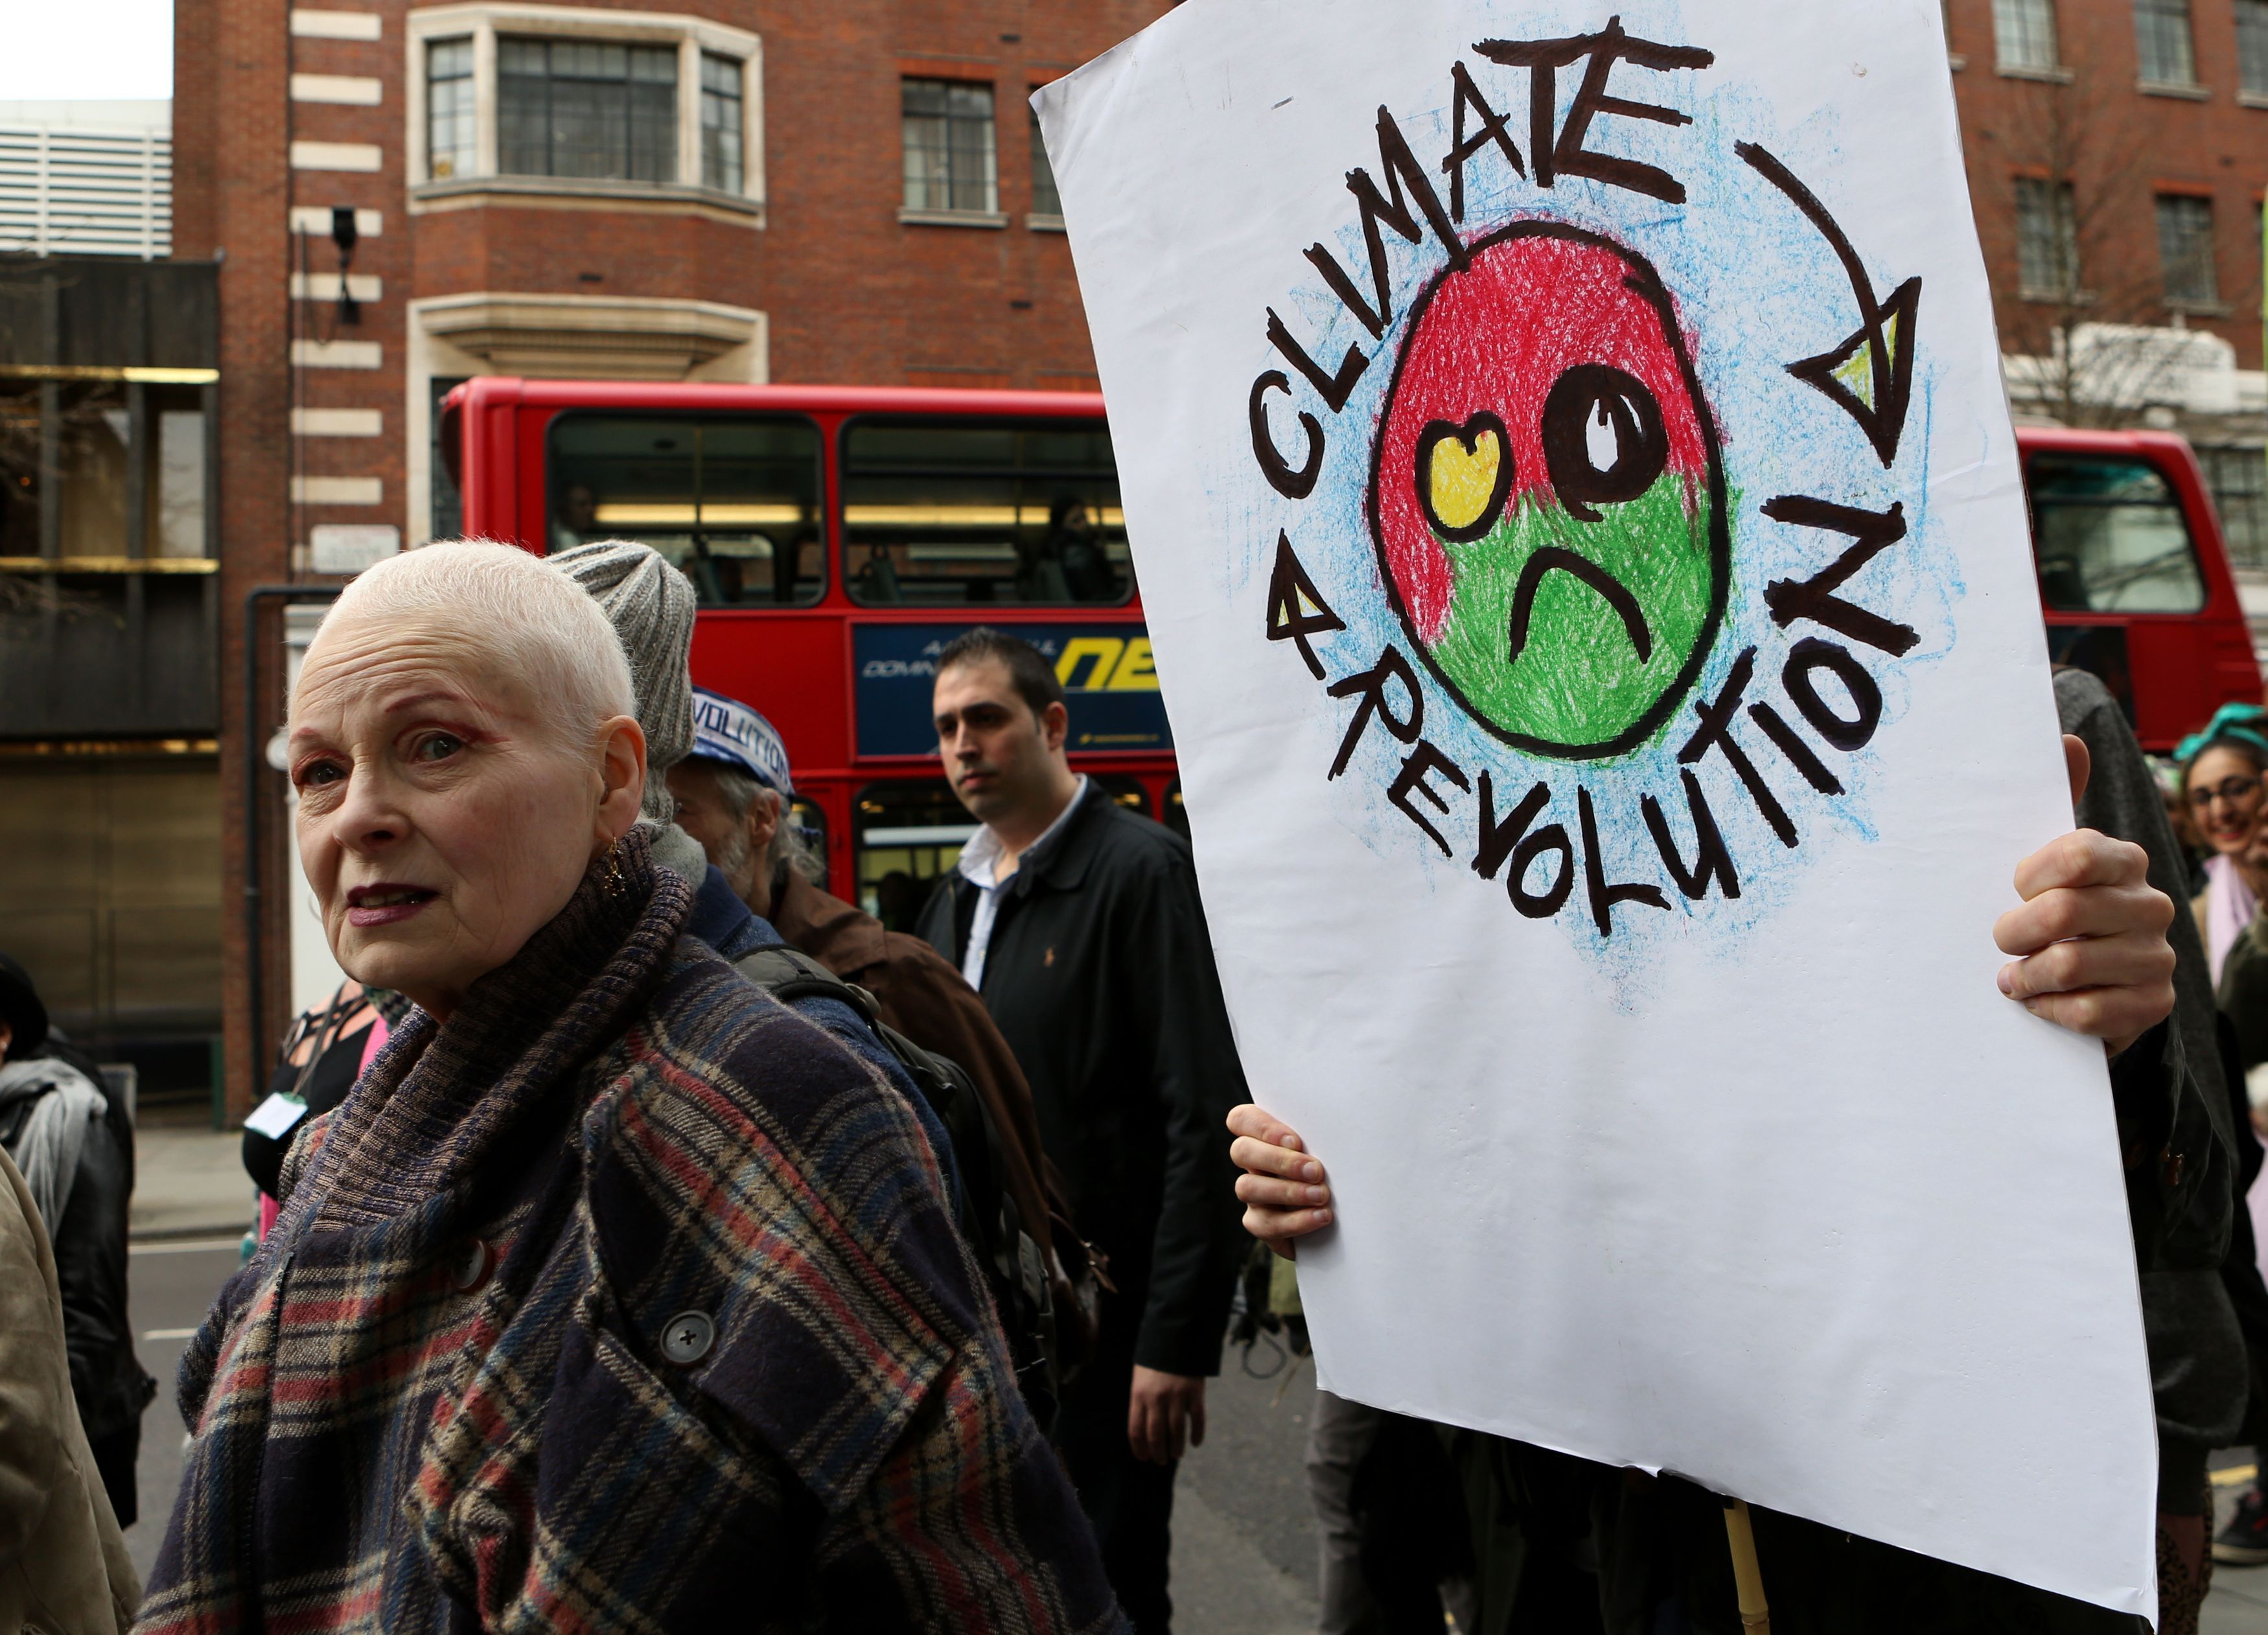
(1244, 1538)
(170, 1285)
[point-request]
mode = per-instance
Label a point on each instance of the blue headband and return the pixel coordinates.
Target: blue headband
(2240, 722)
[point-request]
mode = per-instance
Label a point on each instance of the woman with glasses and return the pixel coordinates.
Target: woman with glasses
(2221, 774)
(2221, 770)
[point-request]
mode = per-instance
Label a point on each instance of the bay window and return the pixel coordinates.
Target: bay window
(509, 98)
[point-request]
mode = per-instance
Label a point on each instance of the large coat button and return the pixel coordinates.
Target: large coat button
(686, 1338)
(470, 1267)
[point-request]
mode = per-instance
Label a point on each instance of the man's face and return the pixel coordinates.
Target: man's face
(581, 509)
(999, 755)
(703, 812)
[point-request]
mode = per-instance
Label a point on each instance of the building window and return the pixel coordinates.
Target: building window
(1045, 200)
(2252, 47)
(2047, 239)
(2238, 478)
(589, 109)
(449, 108)
(2024, 34)
(720, 122)
(2186, 249)
(504, 99)
(2161, 36)
(950, 163)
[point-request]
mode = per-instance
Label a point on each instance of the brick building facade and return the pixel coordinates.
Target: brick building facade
(2117, 157)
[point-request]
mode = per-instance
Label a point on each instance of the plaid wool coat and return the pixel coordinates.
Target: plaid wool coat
(626, 1299)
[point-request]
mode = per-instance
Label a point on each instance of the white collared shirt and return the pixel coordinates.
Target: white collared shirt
(978, 858)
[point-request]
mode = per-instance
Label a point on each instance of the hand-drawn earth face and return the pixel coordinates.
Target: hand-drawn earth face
(1546, 494)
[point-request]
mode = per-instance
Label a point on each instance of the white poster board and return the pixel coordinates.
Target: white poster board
(1566, 462)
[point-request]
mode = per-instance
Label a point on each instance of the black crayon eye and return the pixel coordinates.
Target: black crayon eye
(1464, 474)
(1603, 440)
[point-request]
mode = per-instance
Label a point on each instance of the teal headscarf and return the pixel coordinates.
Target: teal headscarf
(2243, 723)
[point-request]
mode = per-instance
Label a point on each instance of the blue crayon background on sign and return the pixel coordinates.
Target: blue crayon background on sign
(1109, 683)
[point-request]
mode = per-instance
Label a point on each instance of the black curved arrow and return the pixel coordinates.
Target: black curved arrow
(1886, 324)
(1610, 589)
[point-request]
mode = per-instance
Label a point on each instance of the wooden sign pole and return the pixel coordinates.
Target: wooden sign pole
(1747, 1578)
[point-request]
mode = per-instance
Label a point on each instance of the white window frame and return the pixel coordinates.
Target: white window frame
(2187, 83)
(2061, 202)
(946, 216)
(2013, 67)
(482, 21)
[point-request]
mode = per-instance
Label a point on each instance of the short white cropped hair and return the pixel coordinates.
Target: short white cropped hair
(540, 624)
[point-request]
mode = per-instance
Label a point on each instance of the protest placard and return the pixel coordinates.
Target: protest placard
(1579, 527)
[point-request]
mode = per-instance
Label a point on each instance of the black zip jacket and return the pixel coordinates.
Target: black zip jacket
(1099, 975)
(2173, 1111)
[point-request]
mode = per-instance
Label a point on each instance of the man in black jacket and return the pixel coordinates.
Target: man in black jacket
(1080, 924)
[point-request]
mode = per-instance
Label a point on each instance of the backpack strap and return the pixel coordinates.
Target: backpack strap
(788, 974)
(16, 1116)
(985, 1212)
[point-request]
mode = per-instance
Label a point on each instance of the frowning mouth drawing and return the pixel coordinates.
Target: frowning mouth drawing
(1550, 559)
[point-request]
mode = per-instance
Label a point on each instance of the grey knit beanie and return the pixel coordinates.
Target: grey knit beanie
(650, 605)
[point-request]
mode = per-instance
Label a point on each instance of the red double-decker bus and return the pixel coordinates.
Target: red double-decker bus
(838, 537)
(2134, 576)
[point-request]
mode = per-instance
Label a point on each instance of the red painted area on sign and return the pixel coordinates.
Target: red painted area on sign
(1492, 339)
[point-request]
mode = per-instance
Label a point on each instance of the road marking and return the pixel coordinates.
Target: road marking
(186, 1246)
(168, 1334)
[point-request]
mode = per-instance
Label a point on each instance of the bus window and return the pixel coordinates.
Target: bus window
(732, 501)
(944, 513)
(1127, 792)
(905, 834)
(810, 818)
(1177, 816)
(2112, 537)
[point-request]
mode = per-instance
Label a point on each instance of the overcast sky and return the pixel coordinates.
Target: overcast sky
(65, 48)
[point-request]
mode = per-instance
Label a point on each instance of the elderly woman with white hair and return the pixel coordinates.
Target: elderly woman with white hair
(617, 1295)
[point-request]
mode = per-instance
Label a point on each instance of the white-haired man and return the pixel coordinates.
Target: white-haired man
(733, 792)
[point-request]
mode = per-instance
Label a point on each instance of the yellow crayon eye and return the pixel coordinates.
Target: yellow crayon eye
(1463, 474)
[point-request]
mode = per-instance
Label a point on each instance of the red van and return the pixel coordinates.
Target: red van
(2134, 577)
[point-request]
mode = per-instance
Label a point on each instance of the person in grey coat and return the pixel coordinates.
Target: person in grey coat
(73, 1142)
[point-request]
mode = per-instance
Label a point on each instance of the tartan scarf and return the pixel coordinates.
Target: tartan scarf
(439, 1399)
(381, 1199)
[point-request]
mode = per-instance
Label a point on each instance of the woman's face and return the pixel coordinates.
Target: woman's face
(2224, 792)
(443, 817)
